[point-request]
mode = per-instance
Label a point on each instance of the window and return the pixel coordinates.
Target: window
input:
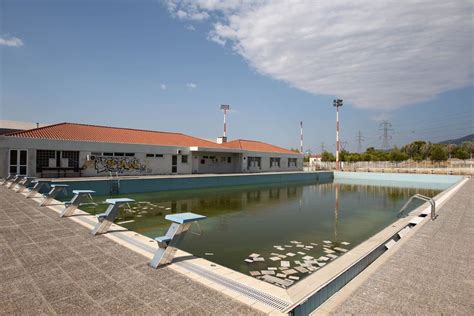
(274, 162)
(229, 159)
(154, 155)
(42, 159)
(95, 153)
(72, 157)
(108, 154)
(205, 157)
(223, 159)
(254, 162)
(119, 154)
(184, 159)
(292, 162)
(129, 154)
(203, 161)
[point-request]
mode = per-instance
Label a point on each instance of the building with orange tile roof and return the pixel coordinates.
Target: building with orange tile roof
(71, 150)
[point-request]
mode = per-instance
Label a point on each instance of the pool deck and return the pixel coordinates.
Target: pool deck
(431, 273)
(50, 265)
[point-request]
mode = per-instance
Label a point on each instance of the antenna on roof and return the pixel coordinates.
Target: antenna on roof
(223, 139)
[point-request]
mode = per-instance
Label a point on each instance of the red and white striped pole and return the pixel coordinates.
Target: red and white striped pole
(337, 103)
(301, 134)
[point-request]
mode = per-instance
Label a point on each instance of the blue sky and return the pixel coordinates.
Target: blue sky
(105, 62)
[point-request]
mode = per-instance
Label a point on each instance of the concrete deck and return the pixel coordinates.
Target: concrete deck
(50, 265)
(431, 273)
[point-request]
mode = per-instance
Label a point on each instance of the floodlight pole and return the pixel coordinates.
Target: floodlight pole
(337, 103)
(301, 136)
(225, 107)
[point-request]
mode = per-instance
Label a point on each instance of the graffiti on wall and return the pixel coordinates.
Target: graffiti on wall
(118, 164)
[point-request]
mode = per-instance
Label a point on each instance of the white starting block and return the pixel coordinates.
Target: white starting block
(55, 190)
(106, 219)
(14, 181)
(24, 184)
(79, 196)
(8, 179)
(38, 185)
(167, 244)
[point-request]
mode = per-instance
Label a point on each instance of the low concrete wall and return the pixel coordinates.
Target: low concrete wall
(143, 185)
(399, 177)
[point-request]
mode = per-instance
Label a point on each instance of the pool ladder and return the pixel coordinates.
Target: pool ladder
(114, 182)
(420, 197)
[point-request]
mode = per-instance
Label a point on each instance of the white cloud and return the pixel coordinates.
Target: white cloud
(191, 85)
(163, 86)
(374, 54)
(11, 41)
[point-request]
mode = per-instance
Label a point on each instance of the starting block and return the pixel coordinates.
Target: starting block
(8, 179)
(36, 188)
(14, 181)
(106, 219)
(167, 244)
(55, 190)
(25, 183)
(79, 196)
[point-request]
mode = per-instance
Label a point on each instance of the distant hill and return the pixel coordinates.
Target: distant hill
(459, 141)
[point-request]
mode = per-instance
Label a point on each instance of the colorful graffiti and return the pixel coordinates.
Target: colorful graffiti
(118, 164)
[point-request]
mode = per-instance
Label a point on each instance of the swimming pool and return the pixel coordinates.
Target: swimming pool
(282, 230)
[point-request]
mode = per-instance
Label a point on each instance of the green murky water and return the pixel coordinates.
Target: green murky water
(254, 219)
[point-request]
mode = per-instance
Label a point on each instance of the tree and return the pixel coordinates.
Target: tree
(438, 153)
(327, 156)
(343, 155)
(461, 154)
(451, 148)
(397, 155)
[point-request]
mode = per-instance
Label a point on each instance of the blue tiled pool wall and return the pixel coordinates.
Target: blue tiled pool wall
(399, 177)
(102, 187)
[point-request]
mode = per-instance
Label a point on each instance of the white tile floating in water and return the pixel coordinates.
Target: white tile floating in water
(259, 259)
(294, 277)
(295, 242)
(301, 253)
(282, 256)
(297, 262)
(254, 273)
(290, 271)
(328, 251)
(254, 255)
(275, 258)
(281, 275)
(285, 264)
(312, 269)
(323, 258)
(288, 246)
(307, 258)
(310, 247)
(290, 254)
(313, 243)
(268, 272)
(272, 268)
(248, 260)
(209, 254)
(301, 269)
(330, 255)
(168, 208)
(340, 249)
(345, 243)
(278, 281)
(327, 241)
(299, 246)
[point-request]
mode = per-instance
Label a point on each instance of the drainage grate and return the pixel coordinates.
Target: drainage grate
(260, 296)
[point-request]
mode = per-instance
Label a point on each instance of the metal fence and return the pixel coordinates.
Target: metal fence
(453, 166)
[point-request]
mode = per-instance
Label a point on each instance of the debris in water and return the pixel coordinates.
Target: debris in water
(208, 254)
(254, 273)
(285, 264)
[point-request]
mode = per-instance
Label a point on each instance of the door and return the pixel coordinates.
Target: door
(174, 164)
(18, 162)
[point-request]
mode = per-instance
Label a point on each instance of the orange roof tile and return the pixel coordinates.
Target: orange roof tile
(95, 133)
(107, 134)
(253, 145)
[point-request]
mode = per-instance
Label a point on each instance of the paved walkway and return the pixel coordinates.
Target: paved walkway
(53, 266)
(431, 274)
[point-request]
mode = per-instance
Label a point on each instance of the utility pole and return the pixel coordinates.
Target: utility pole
(360, 139)
(337, 103)
(385, 127)
(223, 139)
(301, 137)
